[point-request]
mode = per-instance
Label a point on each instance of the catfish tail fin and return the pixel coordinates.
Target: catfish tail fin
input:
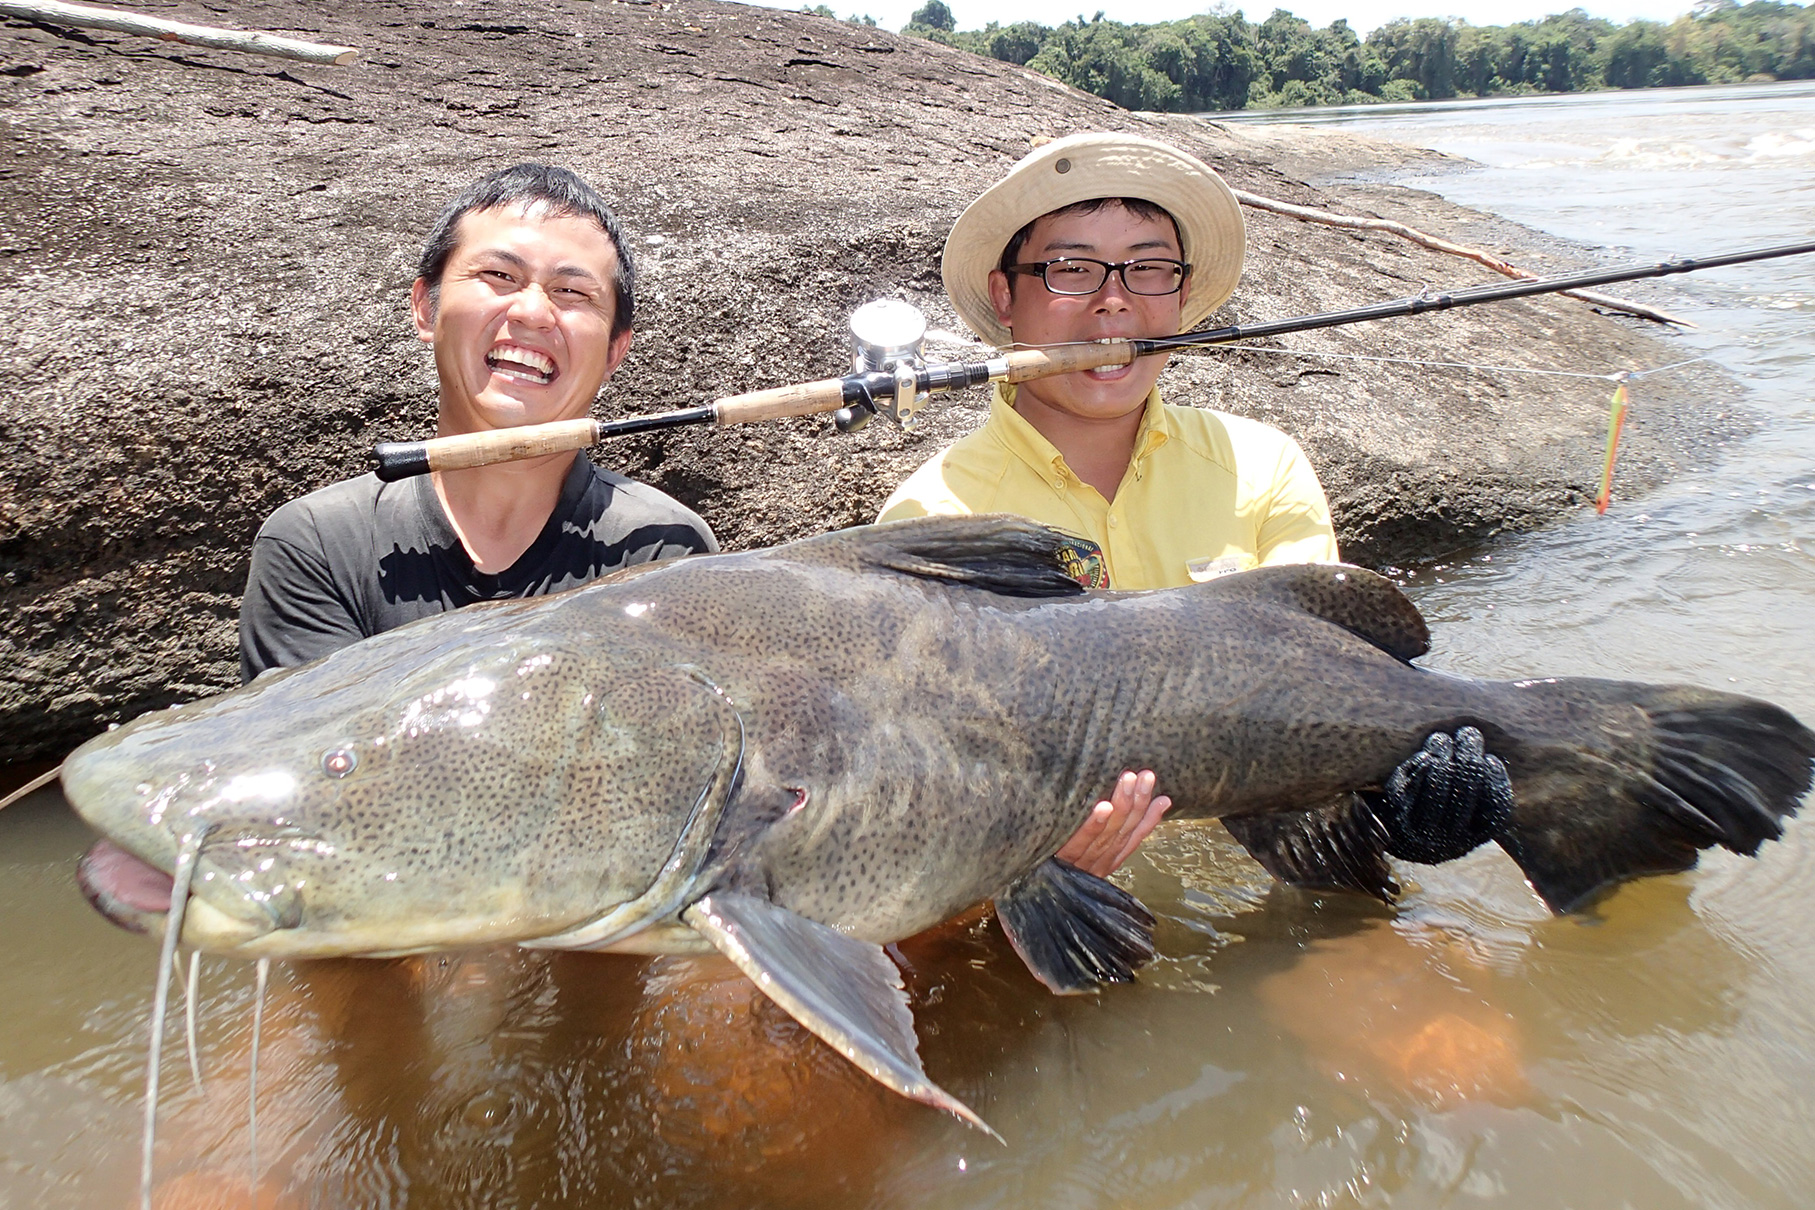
(1659, 773)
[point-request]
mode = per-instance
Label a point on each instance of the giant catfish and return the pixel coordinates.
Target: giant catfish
(797, 755)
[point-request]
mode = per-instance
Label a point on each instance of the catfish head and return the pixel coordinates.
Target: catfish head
(487, 776)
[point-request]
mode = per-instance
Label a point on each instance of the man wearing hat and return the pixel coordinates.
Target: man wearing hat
(1105, 235)
(1116, 236)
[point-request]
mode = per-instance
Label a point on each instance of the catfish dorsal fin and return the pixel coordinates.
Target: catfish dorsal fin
(1367, 605)
(1003, 554)
(843, 990)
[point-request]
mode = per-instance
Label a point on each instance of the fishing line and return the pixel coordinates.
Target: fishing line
(189, 848)
(1618, 406)
(258, 1021)
(1672, 366)
(1615, 376)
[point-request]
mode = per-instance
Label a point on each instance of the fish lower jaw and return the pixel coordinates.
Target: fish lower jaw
(669, 937)
(379, 939)
(206, 927)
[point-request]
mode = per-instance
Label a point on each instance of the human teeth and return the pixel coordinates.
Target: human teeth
(523, 357)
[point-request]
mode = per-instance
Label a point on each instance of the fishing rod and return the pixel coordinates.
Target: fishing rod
(890, 378)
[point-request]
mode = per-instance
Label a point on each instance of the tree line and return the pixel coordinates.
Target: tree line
(1219, 60)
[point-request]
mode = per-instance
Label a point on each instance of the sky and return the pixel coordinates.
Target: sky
(1362, 15)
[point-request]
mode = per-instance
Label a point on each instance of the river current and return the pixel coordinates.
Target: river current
(1461, 1049)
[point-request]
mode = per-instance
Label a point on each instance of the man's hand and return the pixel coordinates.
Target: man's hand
(1445, 799)
(1117, 827)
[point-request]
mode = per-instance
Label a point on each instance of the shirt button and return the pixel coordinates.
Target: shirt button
(1058, 485)
(1111, 520)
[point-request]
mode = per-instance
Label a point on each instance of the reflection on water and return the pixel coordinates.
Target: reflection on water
(1288, 1049)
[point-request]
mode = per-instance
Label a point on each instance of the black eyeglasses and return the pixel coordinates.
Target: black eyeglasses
(1151, 275)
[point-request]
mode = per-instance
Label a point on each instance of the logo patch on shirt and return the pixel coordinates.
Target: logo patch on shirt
(1083, 560)
(1209, 569)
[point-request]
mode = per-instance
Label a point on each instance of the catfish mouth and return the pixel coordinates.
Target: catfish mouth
(136, 896)
(129, 892)
(522, 364)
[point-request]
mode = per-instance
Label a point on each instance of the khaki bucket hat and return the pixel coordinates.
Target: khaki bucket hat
(1077, 169)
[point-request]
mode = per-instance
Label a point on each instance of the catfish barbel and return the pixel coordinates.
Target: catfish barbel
(797, 755)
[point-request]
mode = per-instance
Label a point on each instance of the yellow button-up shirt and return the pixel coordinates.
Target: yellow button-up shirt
(1205, 494)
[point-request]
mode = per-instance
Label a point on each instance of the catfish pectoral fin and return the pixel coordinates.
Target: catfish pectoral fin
(843, 990)
(1074, 930)
(1336, 847)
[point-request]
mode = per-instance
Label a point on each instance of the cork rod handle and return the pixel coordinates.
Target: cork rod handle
(1024, 364)
(400, 459)
(801, 399)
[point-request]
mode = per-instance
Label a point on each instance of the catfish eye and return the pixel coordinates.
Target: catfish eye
(338, 763)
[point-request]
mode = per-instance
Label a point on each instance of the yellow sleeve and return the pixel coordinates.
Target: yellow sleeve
(899, 508)
(924, 493)
(1297, 526)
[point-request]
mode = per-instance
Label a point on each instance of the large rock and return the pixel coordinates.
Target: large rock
(207, 257)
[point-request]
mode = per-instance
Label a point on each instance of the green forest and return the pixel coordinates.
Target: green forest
(1219, 60)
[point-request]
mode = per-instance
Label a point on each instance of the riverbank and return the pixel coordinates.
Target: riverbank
(209, 256)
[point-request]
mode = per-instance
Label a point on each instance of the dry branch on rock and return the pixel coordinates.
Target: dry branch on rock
(87, 16)
(1497, 264)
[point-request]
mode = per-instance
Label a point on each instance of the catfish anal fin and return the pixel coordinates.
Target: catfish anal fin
(1074, 930)
(1339, 846)
(843, 990)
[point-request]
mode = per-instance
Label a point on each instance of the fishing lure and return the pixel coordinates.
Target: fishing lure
(1616, 420)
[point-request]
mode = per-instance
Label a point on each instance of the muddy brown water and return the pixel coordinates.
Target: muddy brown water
(1461, 1049)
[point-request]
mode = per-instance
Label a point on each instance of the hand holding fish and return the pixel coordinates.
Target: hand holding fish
(1117, 826)
(1445, 800)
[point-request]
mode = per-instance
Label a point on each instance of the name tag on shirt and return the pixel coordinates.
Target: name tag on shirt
(1209, 569)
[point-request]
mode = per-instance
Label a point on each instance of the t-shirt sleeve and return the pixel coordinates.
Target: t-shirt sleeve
(1297, 526)
(664, 528)
(705, 542)
(899, 508)
(925, 493)
(292, 612)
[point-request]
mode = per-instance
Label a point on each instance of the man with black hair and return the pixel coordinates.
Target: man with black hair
(526, 292)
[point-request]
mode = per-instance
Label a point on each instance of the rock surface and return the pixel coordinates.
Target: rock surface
(207, 257)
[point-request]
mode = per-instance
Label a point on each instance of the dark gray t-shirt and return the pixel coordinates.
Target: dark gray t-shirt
(363, 556)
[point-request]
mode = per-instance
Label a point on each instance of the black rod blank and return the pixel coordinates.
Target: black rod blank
(1466, 297)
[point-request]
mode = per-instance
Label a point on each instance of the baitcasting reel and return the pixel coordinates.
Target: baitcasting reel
(886, 336)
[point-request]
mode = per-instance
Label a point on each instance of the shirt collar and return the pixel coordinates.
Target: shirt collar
(1031, 446)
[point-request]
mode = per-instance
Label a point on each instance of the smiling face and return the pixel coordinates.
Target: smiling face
(1036, 316)
(522, 323)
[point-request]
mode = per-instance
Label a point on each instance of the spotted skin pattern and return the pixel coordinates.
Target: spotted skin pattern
(911, 744)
